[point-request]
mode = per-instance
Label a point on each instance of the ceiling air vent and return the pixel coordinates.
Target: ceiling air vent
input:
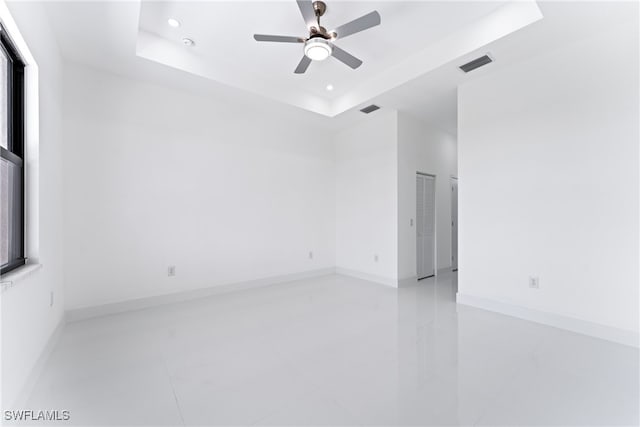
(370, 109)
(476, 63)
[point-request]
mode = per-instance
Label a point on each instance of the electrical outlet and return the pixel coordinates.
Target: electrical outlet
(375, 258)
(171, 271)
(51, 299)
(411, 222)
(310, 254)
(534, 282)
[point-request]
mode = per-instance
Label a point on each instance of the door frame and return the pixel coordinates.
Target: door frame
(435, 224)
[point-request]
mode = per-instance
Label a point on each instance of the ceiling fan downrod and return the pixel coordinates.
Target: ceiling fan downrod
(320, 7)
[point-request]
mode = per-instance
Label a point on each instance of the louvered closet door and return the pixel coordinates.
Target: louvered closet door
(425, 225)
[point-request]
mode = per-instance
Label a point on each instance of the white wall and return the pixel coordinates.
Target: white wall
(157, 177)
(28, 320)
(548, 164)
(422, 148)
(367, 197)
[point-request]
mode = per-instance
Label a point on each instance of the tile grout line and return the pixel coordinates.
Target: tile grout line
(173, 391)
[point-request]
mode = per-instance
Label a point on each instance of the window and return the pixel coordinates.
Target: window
(12, 156)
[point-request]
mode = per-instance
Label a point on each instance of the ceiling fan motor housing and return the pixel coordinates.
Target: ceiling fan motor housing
(321, 32)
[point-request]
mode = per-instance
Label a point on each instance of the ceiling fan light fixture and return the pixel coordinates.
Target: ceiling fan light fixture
(317, 49)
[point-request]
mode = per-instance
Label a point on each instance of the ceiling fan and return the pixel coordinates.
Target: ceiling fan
(319, 45)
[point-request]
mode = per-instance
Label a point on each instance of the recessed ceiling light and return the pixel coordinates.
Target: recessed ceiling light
(329, 87)
(188, 42)
(173, 22)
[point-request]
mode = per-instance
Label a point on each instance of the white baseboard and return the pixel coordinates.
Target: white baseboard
(366, 276)
(27, 388)
(154, 301)
(82, 313)
(584, 327)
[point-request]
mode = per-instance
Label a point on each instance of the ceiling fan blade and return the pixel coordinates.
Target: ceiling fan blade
(345, 57)
(281, 39)
(303, 65)
(308, 12)
(364, 22)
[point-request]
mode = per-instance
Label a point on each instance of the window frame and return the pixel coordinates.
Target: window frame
(14, 153)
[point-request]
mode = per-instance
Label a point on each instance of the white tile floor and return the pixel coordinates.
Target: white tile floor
(335, 351)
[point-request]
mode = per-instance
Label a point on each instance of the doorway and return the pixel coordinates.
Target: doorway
(425, 225)
(454, 223)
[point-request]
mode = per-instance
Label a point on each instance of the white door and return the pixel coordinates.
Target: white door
(425, 225)
(454, 224)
